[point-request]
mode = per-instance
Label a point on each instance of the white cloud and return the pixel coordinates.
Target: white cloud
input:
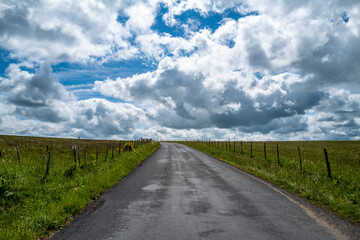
(58, 31)
(274, 44)
(37, 104)
(99, 117)
(141, 17)
(277, 73)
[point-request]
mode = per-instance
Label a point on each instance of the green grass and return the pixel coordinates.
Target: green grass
(340, 195)
(32, 206)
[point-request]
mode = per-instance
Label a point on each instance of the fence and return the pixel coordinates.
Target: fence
(37, 153)
(311, 156)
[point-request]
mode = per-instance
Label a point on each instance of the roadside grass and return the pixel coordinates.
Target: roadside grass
(339, 195)
(32, 205)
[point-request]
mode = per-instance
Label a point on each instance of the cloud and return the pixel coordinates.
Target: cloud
(286, 68)
(33, 90)
(337, 115)
(68, 31)
(35, 96)
(185, 100)
(37, 104)
(260, 73)
(99, 117)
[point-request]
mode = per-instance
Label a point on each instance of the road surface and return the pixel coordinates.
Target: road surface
(180, 193)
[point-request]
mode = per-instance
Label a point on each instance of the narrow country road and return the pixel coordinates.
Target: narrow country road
(180, 193)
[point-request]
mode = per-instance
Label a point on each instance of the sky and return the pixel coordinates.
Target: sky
(176, 70)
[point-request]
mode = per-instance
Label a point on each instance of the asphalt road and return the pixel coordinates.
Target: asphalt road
(180, 193)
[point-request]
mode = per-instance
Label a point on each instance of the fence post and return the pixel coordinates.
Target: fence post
(112, 150)
(242, 152)
(251, 150)
(85, 156)
(18, 154)
(265, 151)
(74, 149)
(119, 147)
(229, 145)
(277, 151)
(0, 153)
(327, 163)
(97, 151)
(47, 163)
(107, 149)
(234, 146)
(300, 158)
(79, 151)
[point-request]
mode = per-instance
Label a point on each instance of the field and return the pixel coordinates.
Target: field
(33, 204)
(339, 194)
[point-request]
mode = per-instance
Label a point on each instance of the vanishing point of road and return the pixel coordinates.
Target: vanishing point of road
(181, 193)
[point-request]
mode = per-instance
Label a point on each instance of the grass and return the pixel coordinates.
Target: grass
(32, 205)
(339, 194)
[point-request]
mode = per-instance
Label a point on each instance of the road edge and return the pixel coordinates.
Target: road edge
(97, 202)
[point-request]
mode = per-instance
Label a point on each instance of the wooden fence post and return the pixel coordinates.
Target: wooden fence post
(300, 158)
(277, 151)
(234, 146)
(85, 156)
(79, 151)
(251, 150)
(0, 153)
(119, 147)
(112, 150)
(47, 163)
(327, 163)
(242, 152)
(18, 154)
(74, 149)
(107, 149)
(265, 151)
(97, 151)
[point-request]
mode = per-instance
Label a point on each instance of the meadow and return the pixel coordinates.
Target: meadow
(339, 194)
(33, 203)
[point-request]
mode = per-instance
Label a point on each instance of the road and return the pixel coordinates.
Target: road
(181, 193)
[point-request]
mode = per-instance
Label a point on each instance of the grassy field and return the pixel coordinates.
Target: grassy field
(339, 194)
(33, 205)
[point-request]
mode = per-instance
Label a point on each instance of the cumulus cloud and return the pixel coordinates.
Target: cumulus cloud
(40, 89)
(99, 117)
(37, 104)
(39, 96)
(58, 31)
(285, 68)
(261, 73)
(186, 101)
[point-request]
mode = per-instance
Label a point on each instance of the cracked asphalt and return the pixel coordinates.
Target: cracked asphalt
(181, 193)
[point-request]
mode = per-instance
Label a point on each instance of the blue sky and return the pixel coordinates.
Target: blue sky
(166, 69)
